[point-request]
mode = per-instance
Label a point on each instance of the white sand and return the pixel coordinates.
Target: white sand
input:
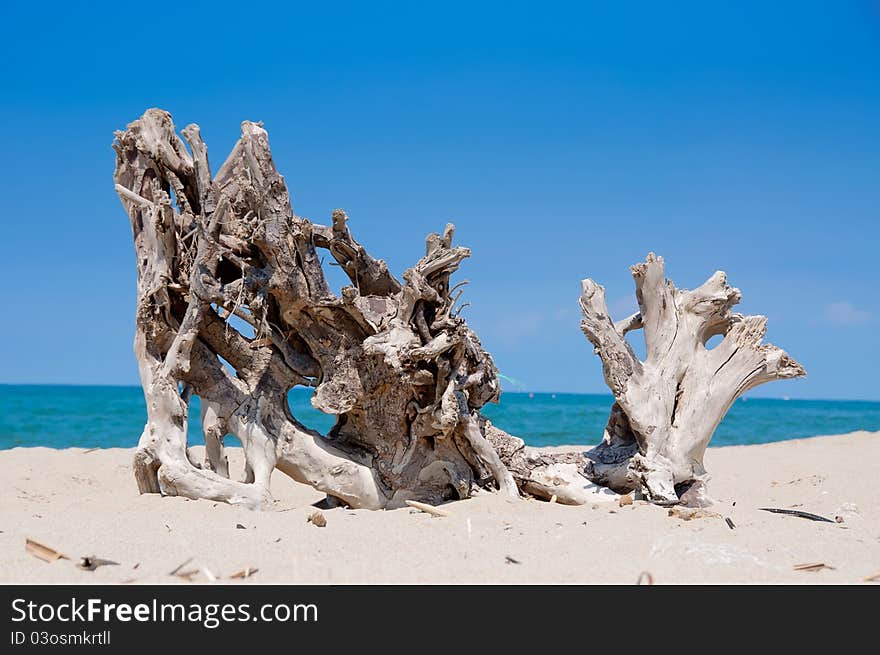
(86, 503)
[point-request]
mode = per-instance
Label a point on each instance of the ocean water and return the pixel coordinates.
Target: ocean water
(104, 417)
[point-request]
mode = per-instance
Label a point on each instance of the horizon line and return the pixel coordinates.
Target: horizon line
(523, 391)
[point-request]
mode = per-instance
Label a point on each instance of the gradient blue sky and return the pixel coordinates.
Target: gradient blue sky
(564, 141)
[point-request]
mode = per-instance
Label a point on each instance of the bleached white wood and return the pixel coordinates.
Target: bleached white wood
(668, 406)
(391, 359)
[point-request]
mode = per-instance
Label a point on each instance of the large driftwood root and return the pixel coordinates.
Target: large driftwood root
(391, 359)
(668, 406)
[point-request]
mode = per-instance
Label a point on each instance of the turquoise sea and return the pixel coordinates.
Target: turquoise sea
(104, 417)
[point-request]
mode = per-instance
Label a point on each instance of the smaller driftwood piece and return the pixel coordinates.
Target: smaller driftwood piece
(668, 406)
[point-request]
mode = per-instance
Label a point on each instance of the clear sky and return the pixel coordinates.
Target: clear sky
(563, 140)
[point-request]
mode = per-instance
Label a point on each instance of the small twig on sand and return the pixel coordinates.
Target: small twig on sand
(42, 551)
(428, 509)
(818, 566)
(181, 565)
(796, 512)
(243, 574)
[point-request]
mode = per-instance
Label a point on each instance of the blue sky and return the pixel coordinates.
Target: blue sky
(564, 140)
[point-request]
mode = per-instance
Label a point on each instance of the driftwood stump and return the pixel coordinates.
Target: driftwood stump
(391, 359)
(667, 407)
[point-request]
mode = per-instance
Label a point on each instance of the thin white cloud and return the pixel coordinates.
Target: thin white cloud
(845, 313)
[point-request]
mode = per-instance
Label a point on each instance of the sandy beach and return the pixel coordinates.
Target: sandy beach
(85, 503)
